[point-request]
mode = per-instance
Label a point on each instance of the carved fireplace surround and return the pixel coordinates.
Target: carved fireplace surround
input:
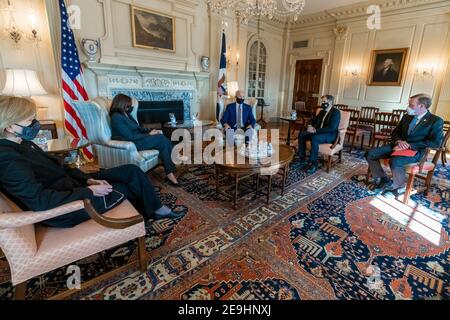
(148, 84)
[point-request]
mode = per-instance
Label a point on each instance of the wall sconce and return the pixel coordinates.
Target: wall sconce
(34, 32)
(425, 71)
(229, 57)
(14, 33)
(352, 71)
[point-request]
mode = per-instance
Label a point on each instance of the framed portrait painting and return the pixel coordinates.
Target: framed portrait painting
(387, 67)
(152, 29)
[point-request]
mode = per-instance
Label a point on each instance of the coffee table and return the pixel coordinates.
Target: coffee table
(243, 171)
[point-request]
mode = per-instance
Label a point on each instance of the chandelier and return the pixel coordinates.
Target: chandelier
(245, 9)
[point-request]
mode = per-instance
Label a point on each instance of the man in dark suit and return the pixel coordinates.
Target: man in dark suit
(322, 129)
(238, 115)
(418, 130)
(387, 74)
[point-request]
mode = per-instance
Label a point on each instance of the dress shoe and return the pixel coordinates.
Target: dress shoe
(171, 215)
(381, 185)
(173, 184)
(396, 192)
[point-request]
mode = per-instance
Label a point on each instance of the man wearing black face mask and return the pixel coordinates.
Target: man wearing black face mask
(238, 115)
(322, 129)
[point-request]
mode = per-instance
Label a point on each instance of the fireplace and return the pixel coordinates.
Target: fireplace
(155, 105)
(156, 89)
(157, 112)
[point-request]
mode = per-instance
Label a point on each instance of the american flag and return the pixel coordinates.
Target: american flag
(73, 87)
(221, 89)
(221, 84)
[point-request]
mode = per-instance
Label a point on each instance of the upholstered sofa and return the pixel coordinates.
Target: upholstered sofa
(112, 153)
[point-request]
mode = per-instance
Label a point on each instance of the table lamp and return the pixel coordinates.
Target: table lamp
(22, 83)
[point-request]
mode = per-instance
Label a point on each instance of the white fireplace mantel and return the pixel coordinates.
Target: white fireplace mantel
(114, 76)
(109, 79)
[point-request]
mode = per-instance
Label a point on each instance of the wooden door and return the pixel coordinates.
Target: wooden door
(307, 82)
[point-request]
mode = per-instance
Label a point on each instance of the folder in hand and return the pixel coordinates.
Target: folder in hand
(404, 153)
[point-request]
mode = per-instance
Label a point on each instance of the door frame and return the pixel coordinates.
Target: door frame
(321, 55)
(295, 76)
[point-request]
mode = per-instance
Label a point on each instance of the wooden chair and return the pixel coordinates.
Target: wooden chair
(385, 123)
(424, 169)
(367, 123)
(400, 113)
(341, 106)
(316, 110)
(444, 146)
(32, 249)
(352, 130)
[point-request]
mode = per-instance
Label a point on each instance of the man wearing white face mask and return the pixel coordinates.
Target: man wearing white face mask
(418, 130)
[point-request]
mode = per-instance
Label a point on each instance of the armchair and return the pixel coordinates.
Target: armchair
(253, 102)
(32, 249)
(111, 153)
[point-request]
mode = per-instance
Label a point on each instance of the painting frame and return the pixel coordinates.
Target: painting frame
(377, 57)
(137, 43)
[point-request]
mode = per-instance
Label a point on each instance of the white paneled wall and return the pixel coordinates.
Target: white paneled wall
(421, 25)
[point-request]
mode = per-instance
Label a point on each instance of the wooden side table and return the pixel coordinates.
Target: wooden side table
(62, 147)
(261, 120)
(290, 121)
(49, 125)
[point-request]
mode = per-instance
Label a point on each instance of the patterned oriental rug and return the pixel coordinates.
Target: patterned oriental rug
(328, 237)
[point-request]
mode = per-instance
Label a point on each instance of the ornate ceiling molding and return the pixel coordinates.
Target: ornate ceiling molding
(359, 10)
(319, 17)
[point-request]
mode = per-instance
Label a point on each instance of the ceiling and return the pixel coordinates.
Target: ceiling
(313, 6)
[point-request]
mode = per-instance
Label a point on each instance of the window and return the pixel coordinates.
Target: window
(257, 70)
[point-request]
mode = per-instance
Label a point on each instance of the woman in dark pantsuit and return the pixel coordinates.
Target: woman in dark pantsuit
(37, 181)
(124, 127)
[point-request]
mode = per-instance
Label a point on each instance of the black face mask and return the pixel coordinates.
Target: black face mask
(240, 100)
(129, 109)
(29, 132)
(325, 105)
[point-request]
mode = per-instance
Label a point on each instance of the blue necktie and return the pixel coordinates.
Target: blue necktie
(412, 125)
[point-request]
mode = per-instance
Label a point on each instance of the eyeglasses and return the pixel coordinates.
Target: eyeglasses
(116, 202)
